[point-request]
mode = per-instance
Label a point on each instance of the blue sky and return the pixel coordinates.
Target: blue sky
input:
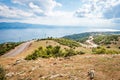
(88, 13)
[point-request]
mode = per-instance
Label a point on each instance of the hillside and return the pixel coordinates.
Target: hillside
(106, 37)
(64, 59)
(87, 34)
(61, 68)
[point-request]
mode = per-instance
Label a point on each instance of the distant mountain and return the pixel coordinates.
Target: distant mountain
(87, 34)
(16, 25)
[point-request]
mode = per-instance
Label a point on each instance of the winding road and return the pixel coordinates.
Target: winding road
(18, 49)
(90, 43)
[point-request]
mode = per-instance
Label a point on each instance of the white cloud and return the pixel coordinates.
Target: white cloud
(67, 21)
(9, 12)
(90, 13)
(96, 8)
(35, 8)
(32, 5)
(45, 6)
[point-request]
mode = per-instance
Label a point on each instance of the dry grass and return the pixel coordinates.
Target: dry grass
(107, 67)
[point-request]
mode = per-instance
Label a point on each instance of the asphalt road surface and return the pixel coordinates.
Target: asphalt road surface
(18, 49)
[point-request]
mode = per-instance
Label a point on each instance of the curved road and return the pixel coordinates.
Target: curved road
(90, 44)
(18, 49)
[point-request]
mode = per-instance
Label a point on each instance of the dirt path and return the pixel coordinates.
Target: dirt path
(18, 49)
(90, 43)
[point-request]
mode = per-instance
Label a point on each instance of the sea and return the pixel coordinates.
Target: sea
(25, 34)
(18, 35)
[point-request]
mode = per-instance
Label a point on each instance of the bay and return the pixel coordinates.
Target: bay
(16, 35)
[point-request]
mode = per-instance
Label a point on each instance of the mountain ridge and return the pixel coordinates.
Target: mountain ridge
(87, 34)
(18, 25)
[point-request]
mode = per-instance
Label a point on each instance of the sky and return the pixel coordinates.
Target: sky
(88, 13)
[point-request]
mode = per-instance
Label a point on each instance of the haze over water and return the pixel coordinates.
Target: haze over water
(8, 35)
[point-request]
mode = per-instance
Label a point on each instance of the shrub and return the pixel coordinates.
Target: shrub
(33, 56)
(40, 48)
(2, 73)
(50, 51)
(67, 42)
(99, 50)
(108, 47)
(49, 47)
(69, 52)
(56, 51)
(119, 47)
(81, 52)
(102, 50)
(112, 52)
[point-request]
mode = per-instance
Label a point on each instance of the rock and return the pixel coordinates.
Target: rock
(54, 63)
(40, 75)
(34, 68)
(28, 78)
(57, 75)
(44, 77)
(18, 61)
(91, 74)
(10, 74)
(60, 59)
(20, 73)
(88, 57)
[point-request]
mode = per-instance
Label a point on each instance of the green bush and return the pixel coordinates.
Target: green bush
(102, 50)
(82, 40)
(118, 47)
(2, 73)
(50, 51)
(81, 52)
(112, 52)
(108, 47)
(33, 56)
(69, 52)
(105, 39)
(68, 42)
(99, 50)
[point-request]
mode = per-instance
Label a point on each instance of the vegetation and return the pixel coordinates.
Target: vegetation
(2, 73)
(63, 41)
(102, 50)
(51, 51)
(108, 37)
(68, 42)
(105, 39)
(5, 47)
(77, 36)
(48, 38)
(118, 47)
(82, 40)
